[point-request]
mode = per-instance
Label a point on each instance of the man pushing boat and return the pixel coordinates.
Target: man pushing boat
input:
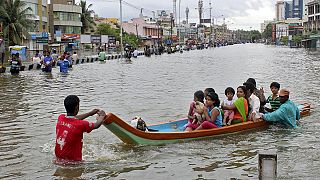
(287, 114)
(70, 129)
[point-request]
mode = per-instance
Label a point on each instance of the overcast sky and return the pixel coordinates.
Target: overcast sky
(238, 14)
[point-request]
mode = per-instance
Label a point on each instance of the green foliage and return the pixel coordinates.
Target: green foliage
(15, 17)
(297, 39)
(255, 35)
(284, 40)
(86, 19)
(267, 34)
(106, 29)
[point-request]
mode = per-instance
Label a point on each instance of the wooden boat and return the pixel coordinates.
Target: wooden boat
(174, 131)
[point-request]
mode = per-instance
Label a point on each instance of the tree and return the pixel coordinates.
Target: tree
(284, 40)
(267, 33)
(86, 19)
(16, 19)
(106, 29)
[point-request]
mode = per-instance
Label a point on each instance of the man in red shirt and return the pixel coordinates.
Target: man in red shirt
(70, 129)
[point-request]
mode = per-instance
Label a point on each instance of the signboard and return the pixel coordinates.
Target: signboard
(85, 39)
(70, 36)
(19, 49)
(163, 13)
(205, 21)
(104, 39)
(111, 39)
(95, 39)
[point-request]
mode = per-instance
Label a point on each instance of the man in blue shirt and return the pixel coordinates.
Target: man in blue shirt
(47, 62)
(287, 114)
(64, 64)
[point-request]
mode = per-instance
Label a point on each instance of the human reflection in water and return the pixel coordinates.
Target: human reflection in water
(69, 172)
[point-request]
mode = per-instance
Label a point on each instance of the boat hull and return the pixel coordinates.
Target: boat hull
(172, 132)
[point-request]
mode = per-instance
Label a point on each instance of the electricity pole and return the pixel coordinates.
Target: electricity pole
(210, 37)
(121, 43)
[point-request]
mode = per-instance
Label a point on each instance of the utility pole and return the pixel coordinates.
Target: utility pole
(200, 6)
(121, 43)
(175, 9)
(210, 37)
(178, 30)
(137, 31)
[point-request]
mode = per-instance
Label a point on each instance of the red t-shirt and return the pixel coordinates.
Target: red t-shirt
(69, 135)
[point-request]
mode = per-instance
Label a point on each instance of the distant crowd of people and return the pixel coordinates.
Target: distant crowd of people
(45, 61)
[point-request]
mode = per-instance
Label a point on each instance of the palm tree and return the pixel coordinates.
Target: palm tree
(14, 14)
(86, 19)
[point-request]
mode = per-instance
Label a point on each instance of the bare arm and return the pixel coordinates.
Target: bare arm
(100, 119)
(85, 115)
(214, 115)
(228, 107)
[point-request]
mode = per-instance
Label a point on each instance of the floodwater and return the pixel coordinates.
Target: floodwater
(159, 89)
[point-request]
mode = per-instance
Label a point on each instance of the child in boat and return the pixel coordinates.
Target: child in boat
(274, 99)
(70, 128)
(198, 97)
(228, 114)
(212, 113)
(240, 106)
(207, 91)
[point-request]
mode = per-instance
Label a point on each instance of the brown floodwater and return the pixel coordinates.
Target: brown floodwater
(159, 89)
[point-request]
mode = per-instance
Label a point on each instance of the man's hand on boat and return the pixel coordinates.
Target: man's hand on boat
(100, 118)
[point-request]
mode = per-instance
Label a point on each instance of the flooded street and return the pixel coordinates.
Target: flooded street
(159, 89)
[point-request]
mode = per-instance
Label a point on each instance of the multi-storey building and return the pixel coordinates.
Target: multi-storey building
(65, 21)
(313, 14)
(39, 30)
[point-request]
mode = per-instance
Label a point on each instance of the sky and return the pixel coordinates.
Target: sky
(238, 14)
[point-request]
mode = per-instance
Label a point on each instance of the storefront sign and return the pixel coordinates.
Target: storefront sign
(70, 36)
(95, 39)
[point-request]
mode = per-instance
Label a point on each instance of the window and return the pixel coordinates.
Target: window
(66, 16)
(310, 10)
(34, 8)
(317, 9)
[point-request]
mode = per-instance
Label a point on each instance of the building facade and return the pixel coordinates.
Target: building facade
(39, 31)
(297, 9)
(280, 10)
(149, 31)
(313, 14)
(65, 21)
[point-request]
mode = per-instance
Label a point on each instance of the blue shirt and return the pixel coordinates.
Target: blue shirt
(47, 59)
(218, 121)
(64, 65)
(287, 114)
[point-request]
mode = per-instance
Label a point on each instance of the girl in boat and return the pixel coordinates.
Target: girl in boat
(240, 106)
(198, 96)
(212, 112)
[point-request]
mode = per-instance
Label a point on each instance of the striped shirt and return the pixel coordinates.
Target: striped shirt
(275, 103)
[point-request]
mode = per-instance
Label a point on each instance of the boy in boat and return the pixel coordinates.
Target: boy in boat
(70, 129)
(273, 99)
(287, 114)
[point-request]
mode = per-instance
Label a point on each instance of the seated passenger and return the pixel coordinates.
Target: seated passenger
(212, 112)
(228, 114)
(254, 103)
(259, 93)
(197, 97)
(207, 91)
(240, 106)
(273, 99)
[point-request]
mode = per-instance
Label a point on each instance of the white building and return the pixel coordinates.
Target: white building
(280, 10)
(305, 10)
(264, 25)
